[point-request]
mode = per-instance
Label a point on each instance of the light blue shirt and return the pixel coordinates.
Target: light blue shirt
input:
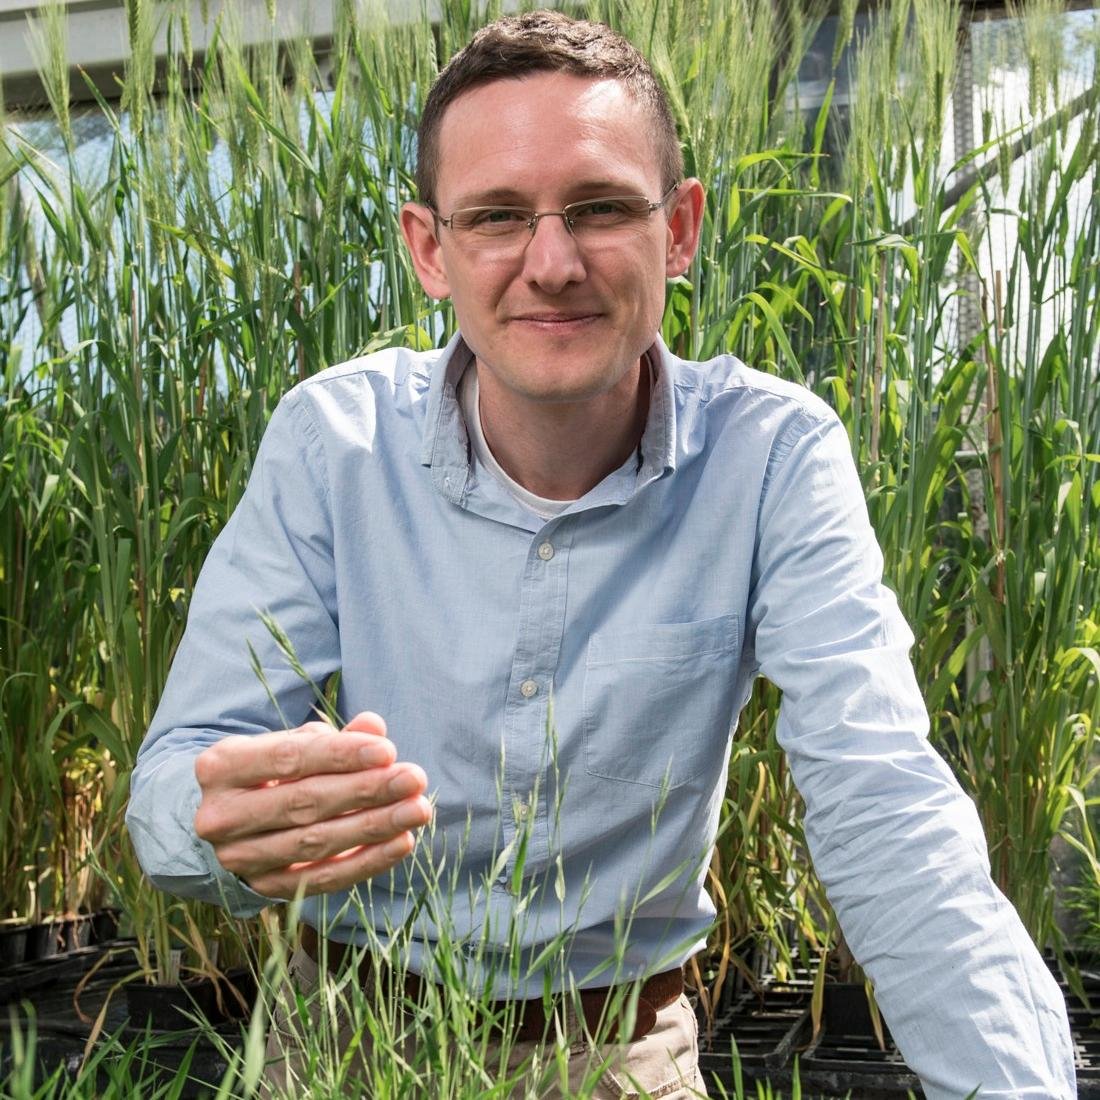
(735, 544)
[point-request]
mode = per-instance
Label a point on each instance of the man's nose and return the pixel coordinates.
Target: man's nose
(552, 259)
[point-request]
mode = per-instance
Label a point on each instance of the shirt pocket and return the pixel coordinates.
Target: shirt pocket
(658, 700)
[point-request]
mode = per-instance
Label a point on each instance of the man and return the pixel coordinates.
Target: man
(556, 505)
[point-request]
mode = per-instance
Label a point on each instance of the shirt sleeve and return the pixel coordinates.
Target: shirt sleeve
(230, 675)
(894, 839)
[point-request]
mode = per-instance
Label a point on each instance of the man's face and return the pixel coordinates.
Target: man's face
(553, 319)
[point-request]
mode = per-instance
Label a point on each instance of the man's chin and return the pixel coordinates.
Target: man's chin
(556, 371)
(558, 385)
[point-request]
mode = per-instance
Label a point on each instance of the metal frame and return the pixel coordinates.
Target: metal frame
(98, 38)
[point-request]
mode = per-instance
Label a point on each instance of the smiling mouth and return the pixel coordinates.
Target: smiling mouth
(556, 320)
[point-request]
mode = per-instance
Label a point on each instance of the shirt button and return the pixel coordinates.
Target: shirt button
(528, 688)
(546, 551)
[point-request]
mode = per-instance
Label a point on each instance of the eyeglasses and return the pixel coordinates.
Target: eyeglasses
(506, 227)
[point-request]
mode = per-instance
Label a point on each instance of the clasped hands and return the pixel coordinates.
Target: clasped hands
(315, 808)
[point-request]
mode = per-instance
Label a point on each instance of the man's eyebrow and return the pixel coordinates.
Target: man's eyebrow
(608, 187)
(507, 196)
(493, 195)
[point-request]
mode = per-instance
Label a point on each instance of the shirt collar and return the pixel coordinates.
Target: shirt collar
(659, 436)
(446, 448)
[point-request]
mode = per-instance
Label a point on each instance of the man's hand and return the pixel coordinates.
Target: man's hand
(313, 806)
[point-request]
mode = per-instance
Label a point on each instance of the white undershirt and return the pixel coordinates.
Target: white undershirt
(468, 391)
(543, 507)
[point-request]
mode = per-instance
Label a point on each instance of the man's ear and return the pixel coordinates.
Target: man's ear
(418, 227)
(685, 222)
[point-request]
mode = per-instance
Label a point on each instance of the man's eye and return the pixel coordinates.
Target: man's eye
(497, 219)
(601, 210)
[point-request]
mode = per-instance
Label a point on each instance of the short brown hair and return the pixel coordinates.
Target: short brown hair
(545, 41)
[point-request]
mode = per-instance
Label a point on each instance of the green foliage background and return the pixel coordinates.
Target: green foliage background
(244, 235)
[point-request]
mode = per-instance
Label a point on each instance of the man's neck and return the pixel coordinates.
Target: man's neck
(562, 450)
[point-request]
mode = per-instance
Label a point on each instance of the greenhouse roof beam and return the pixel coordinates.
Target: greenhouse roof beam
(98, 39)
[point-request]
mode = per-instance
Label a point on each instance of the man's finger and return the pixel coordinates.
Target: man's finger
(366, 721)
(235, 814)
(337, 873)
(314, 749)
(267, 852)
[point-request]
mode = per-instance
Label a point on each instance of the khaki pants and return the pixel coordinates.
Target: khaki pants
(663, 1064)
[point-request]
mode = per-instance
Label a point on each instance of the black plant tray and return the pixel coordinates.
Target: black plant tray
(1084, 1022)
(764, 1025)
(61, 1036)
(57, 935)
(773, 1025)
(24, 979)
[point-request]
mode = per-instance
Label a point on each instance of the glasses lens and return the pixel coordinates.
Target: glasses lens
(491, 221)
(597, 214)
(505, 226)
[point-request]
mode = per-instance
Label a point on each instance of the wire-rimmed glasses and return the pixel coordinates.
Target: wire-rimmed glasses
(503, 228)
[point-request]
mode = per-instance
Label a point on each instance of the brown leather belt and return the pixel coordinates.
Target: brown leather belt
(526, 1021)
